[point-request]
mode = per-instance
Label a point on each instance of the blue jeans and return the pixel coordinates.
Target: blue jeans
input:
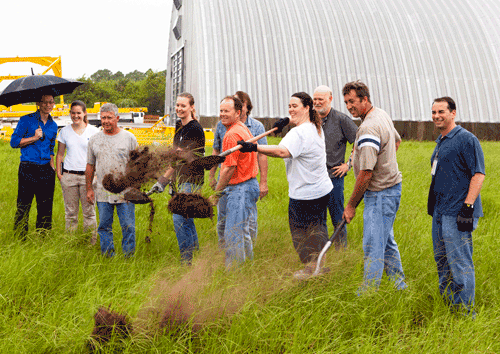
(252, 222)
(336, 209)
(126, 215)
(453, 256)
(233, 220)
(187, 238)
(380, 248)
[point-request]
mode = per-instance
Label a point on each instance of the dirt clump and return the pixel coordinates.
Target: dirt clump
(136, 196)
(191, 205)
(142, 166)
(107, 323)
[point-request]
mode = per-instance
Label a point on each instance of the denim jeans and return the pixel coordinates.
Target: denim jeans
(380, 248)
(187, 238)
(126, 215)
(453, 256)
(336, 209)
(253, 225)
(233, 220)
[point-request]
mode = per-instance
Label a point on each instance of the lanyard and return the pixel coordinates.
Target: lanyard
(435, 161)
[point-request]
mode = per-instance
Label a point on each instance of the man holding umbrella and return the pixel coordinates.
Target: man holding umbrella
(35, 135)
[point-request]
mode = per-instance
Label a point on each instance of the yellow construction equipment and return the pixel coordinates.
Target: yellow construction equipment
(6, 132)
(60, 109)
(53, 63)
(160, 134)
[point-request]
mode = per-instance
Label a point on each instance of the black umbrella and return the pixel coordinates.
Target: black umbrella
(30, 88)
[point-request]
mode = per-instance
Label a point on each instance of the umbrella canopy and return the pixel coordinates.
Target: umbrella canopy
(30, 88)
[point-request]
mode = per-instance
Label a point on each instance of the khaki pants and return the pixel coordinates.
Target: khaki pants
(74, 192)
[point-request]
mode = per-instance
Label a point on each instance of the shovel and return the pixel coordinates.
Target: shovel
(329, 243)
(207, 162)
(192, 205)
(178, 201)
(327, 246)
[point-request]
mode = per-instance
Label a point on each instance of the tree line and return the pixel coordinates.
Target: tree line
(135, 89)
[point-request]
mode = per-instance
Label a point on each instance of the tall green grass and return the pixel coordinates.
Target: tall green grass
(50, 287)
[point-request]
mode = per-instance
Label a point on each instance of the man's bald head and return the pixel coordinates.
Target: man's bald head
(324, 89)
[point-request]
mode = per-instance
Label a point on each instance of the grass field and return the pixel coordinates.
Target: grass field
(51, 287)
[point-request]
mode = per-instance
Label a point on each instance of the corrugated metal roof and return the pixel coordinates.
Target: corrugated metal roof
(407, 52)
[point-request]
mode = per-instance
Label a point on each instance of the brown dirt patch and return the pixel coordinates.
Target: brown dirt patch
(107, 324)
(191, 205)
(144, 164)
(136, 196)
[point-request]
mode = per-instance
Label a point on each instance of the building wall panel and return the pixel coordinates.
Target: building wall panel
(407, 52)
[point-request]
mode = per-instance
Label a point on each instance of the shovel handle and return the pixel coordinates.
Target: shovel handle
(254, 139)
(329, 243)
(327, 246)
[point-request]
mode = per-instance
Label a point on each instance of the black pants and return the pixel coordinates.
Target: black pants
(307, 219)
(34, 181)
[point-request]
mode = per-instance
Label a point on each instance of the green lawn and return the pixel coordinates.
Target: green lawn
(51, 287)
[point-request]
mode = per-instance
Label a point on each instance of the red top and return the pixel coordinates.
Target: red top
(246, 163)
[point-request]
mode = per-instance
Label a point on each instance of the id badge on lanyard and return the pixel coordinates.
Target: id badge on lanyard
(435, 163)
(434, 166)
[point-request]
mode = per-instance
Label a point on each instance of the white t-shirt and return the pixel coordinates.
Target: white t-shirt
(76, 146)
(306, 170)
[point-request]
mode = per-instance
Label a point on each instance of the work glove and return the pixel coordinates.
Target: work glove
(465, 218)
(280, 124)
(159, 186)
(247, 147)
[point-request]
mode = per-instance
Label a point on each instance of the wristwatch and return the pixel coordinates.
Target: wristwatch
(349, 164)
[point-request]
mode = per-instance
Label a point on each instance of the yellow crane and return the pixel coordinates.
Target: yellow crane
(157, 134)
(52, 63)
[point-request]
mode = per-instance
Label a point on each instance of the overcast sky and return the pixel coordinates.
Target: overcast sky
(119, 35)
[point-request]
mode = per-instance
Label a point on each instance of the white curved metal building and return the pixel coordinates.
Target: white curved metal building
(407, 52)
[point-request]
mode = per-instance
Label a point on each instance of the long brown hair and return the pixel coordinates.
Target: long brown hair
(307, 101)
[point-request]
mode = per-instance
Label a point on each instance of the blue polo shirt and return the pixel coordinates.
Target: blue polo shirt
(252, 124)
(459, 157)
(40, 151)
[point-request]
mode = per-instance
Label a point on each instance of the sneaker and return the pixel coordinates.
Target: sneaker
(308, 272)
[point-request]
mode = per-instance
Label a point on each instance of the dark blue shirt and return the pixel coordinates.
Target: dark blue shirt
(41, 150)
(459, 157)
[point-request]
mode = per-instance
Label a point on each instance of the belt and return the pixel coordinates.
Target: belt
(33, 163)
(73, 172)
